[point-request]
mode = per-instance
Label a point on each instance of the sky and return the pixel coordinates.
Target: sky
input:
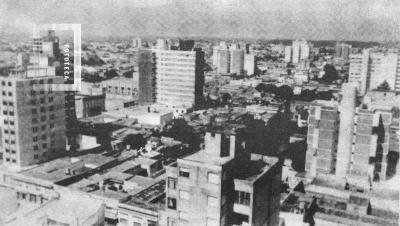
(364, 20)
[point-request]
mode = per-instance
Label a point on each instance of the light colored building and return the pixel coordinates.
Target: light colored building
(342, 50)
(179, 77)
(249, 64)
(300, 51)
(137, 42)
(223, 61)
(346, 129)
(236, 61)
(32, 117)
(205, 189)
(358, 70)
(288, 54)
(323, 126)
(350, 142)
(370, 69)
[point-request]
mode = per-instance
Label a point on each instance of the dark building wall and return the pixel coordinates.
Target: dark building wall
(186, 45)
(146, 76)
(199, 84)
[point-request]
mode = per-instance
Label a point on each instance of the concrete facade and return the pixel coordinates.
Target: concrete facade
(179, 77)
(33, 120)
(208, 187)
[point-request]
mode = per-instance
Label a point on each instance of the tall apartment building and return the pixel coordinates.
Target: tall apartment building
(137, 43)
(342, 50)
(210, 188)
(46, 51)
(358, 70)
(179, 77)
(146, 76)
(223, 61)
(236, 61)
(222, 45)
(288, 54)
(229, 59)
(349, 142)
(32, 118)
(370, 69)
(299, 51)
(323, 127)
(249, 64)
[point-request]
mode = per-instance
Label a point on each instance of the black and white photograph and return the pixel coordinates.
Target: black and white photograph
(199, 112)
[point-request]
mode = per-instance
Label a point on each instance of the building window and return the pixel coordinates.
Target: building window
(171, 203)
(41, 100)
(35, 139)
(34, 111)
(35, 148)
(51, 99)
(10, 94)
(9, 84)
(5, 121)
(12, 123)
(172, 183)
(42, 109)
(184, 172)
(212, 201)
(51, 125)
(34, 129)
(213, 178)
(242, 198)
(184, 195)
(36, 156)
(34, 120)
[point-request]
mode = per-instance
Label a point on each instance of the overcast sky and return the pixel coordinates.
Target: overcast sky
(367, 20)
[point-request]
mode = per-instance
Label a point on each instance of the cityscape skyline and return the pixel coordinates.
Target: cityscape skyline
(362, 20)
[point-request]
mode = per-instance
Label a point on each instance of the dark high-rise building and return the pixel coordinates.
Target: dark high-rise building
(146, 76)
(186, 45)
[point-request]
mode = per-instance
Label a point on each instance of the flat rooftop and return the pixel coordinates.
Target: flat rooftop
(203, 158)
(255, 169)
(53, 171)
